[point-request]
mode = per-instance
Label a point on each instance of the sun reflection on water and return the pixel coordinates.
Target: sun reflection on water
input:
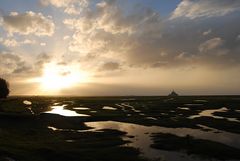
(60, 110)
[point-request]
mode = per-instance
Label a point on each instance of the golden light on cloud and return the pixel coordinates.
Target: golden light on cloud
(56, 77)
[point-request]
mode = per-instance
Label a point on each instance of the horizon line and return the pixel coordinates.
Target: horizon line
(191, 95)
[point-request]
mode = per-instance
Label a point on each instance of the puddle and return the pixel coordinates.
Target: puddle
(52, 128)
(164, 114)
(142, 139)
(66, 130)
(202, 101)
(210, 113)
(122, 107)
(60, 110)
(151, 118)
(125, 107)
(26, 102)
(28, 106)
(81, 108)
(193, 104)
(69, 130)
(109, 108)
(184, 108)
(128, 99)
(69, 102)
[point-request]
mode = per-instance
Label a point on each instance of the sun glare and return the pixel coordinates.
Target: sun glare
(57, 77)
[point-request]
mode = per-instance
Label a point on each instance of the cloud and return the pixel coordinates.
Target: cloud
(238, 37)
(142, 38)
(21, 65)
(205, 33)
(205, 8)
(57, 3)
(27, 41)
(66, 37)
(211, 44)
(43, 44)
(22, 69)
(12, 63)
(28, 23)
(109, 17)
(11, 42)
(42, 58)
(110, 66)
(106, 24)
(72, 7)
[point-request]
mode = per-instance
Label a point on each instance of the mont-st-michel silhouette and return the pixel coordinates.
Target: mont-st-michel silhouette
(173, 94)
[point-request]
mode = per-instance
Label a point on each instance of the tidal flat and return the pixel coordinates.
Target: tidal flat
(183, 128)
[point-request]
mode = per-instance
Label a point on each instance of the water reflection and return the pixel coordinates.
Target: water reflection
(151, 118)
(126, 107)
(142, 139)
(109, 108)
(70, 141)
(52, 128)
(28, 105)
(183, 108)
(26, 102)
(200, 101)
(81, 108)
(193, 104)
(210, 113)
(60, 110)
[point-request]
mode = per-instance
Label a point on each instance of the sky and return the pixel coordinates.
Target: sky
(120, 47)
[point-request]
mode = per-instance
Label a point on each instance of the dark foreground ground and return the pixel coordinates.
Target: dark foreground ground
(192, 128)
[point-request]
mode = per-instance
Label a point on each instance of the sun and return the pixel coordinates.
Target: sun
(56, 77)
